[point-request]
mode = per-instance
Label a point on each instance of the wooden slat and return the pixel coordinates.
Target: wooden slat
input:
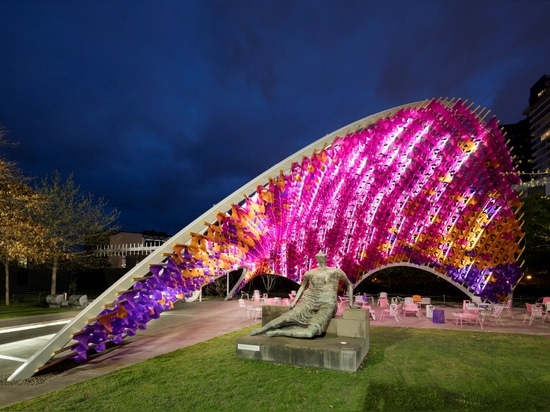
(128, 291)
(69, 347)
(113, 304)
(106, 315)
(55, 362)
(142, 278)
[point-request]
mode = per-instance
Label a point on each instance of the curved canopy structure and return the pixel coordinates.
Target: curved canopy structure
(428, 184)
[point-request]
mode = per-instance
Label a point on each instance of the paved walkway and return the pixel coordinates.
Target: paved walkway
(191, 323)
(187, 324)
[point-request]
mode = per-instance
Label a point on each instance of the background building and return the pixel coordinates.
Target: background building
(127, 249)
(519, 144)
(538, 115)
(529, 140)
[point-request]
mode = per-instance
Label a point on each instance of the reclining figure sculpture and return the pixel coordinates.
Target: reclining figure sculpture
(319, 302)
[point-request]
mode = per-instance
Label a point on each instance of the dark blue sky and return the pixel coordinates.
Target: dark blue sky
(166, 107)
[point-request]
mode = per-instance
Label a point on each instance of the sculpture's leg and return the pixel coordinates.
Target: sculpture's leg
(309, 332)
(274, 324)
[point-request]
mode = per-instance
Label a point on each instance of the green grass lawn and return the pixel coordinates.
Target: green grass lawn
(406, 370)
(31, 308)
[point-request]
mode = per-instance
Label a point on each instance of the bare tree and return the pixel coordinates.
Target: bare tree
(269, 281)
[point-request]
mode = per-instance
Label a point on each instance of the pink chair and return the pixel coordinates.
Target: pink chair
(392, 311)
(411, 308)
(533, 312)
(340, 310)
(495, 314)
(508, 307)
(371, 312)
(470, 313)
(243, 310)
(381, 297)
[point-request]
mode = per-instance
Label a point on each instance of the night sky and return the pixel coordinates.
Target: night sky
(166, 107)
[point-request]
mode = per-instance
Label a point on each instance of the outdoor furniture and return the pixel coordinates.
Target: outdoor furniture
(371, 312)
(430, 311)
(438, 316)
(367, 300)
(343, 301)
(495, 314)
(392, 311)
(508, 308)
(243, 310)
(78, 301)
(425, 301)
(255, 310)
(480, 304)
(411, 308)
(469, 317)
(533, 312)
(470, 314)
(57, 301)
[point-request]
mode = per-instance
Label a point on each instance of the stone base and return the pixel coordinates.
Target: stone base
(342, 348)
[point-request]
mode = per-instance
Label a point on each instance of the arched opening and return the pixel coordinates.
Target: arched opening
(406, 279)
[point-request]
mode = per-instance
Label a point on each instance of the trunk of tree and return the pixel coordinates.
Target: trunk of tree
(54, 277)
(269, 282)
(72, 285)
(7, 266)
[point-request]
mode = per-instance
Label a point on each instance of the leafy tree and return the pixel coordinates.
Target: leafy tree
(21, 237)
(76, 222)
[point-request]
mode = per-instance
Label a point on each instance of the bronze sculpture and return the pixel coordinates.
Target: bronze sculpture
(318, 296)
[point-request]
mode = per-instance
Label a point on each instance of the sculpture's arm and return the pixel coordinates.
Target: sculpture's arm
(350, 291)
(300, 291)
